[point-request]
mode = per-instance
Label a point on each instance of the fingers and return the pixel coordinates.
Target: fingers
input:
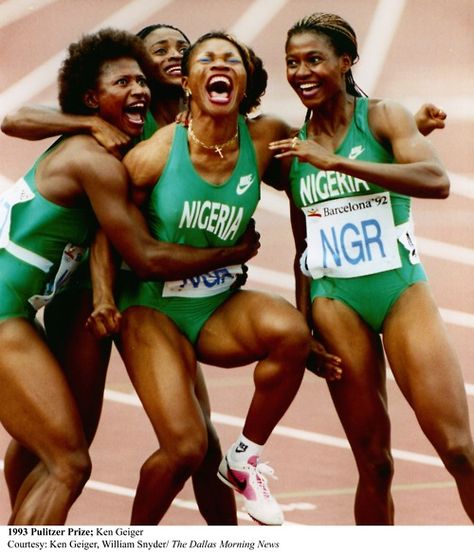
(104, 322)
(288, 147)
(323, 364)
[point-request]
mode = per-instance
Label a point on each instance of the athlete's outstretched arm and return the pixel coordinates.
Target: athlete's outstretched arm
(418, 171)
(35, 122)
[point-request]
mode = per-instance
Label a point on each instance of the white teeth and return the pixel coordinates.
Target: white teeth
(306, 85)
(220, 78)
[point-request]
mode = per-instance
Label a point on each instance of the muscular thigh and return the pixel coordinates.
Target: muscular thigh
(162, 367)
(83, 357)
(36, 406)
(360, 395)
(423, 359)
(245, 327)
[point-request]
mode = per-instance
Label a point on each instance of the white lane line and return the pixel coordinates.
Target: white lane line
(44, 75)
(257, 16)
(446, 251)
(119, 490)
(462, 185)
(300, 434)
(285, 281)
(12, 10)
(377, 43)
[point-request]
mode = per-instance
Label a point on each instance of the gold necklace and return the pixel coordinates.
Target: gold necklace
(216, 147)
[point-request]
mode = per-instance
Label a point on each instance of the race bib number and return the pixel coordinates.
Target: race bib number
(353, 236)
(18, 193)
(204, 285)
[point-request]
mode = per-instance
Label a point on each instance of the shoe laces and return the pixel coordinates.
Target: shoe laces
(263, 470)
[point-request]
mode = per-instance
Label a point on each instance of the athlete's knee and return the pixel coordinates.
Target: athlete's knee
(458, 458)
(377, 466)
(289, 336)
(190, 454)
(73, 469)
(186, 454)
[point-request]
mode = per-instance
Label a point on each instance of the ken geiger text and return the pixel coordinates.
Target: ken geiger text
(98, 538)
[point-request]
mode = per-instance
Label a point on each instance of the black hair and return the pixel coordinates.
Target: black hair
(257, 76)
(143, 33)
(340, 35)
(81, 69)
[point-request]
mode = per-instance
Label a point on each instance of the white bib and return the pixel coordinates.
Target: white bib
(18, 193)
(70, 260)
(351, 236)
(204, 285)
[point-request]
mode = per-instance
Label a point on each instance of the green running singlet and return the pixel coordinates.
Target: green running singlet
(183, 208)
(361, 248)
(33, 235)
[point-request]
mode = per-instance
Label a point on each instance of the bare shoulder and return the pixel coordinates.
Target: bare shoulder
(387, 116)
(268, 128)
(145, 162)
(387, 109)
(83, 155)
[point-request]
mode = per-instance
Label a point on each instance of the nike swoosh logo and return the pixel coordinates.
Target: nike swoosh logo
(355, 152)
(231, 477)
(244, 185)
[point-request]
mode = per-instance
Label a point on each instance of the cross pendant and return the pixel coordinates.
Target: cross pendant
(218, 150)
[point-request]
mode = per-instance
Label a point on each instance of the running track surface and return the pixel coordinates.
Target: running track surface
(412, 51)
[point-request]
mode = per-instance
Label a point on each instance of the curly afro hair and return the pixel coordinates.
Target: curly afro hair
(81, 69)
(256, 74)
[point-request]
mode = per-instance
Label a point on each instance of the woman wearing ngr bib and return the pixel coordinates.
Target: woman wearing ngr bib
(354, 164)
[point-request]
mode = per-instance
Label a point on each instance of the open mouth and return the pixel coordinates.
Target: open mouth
(174, 70)
(307, 89)
(219, 88)
(136, 113)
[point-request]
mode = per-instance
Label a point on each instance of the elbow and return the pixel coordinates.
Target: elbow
(7, 126)
(140, 265)
(444, 192)
(143, 271)
(443, 186)
(150, 267)
(439, 183)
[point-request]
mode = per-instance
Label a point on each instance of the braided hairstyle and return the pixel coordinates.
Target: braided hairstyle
(81, 69)
(143, 33)
(256, 74)
(340, 35)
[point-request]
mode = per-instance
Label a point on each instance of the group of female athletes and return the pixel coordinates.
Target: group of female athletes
(119, 227)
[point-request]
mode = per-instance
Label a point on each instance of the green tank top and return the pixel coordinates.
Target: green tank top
(311, 186)
(35, 224)
(353, 227)
(45, 227)
(184, 208)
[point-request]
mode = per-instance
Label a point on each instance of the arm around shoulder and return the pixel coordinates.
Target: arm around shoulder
(105, 181)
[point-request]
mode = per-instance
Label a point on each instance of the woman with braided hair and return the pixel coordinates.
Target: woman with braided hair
(354, 166)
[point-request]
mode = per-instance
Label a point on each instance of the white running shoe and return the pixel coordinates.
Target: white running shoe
(249, 479)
